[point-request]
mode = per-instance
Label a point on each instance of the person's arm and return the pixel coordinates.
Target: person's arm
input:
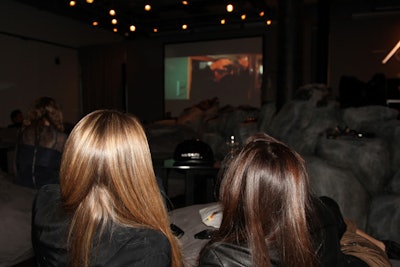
(221, 254)
(338, 219)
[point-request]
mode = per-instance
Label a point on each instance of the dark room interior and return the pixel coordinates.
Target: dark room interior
(322, 76)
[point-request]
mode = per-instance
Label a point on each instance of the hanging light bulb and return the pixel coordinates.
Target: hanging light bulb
(72, 3)
(155, 30)
(243, 16)
(95, 23)
(223, 21)
(112, 12)
(147, 7)
(184, 26)
(269, 22)
(132, 28)
(229, 7)
(89, 1)
(114, 21)
(185, 3)
(261, 13)
(115, 30)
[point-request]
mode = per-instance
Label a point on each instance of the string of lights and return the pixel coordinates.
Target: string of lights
(130, 17)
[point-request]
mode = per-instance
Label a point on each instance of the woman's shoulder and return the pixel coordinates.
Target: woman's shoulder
(232, 255)
(225, 254)
(131, 246)
(143, 237)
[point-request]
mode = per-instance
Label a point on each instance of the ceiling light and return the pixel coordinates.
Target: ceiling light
(243, 16)
(114, 21)
(112, 12)
(184, 26)
(89, 1)
(147, 7)
(261, 13)
(269, 22)
(115, 30)
(95, 23)
(223, 21)
(72, 3)
(185, 3)
(132, 28)
(229, 7)
(155, 30)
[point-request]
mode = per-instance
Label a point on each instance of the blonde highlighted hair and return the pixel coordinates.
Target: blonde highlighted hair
(107, 176)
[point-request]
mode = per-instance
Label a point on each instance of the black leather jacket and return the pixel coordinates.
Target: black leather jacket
(326, 232)
(118, 246)
(226, 254)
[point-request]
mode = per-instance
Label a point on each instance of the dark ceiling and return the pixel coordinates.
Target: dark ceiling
(165, 15)
(168, 16)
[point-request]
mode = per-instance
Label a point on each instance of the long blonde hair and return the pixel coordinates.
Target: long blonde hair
(107, 176)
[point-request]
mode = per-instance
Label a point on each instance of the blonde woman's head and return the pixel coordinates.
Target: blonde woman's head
(107, 176)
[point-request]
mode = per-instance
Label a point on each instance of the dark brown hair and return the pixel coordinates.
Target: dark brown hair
(265, 195)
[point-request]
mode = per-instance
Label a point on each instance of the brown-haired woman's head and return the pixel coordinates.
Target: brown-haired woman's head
(265, 194)
(45, 110)
(107, 176)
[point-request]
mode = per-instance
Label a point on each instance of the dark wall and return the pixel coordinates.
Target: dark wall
(144, 79)
(102, 74)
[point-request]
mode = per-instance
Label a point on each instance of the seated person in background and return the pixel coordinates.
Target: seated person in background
(270, 218)
(17, 118)
(107, 210)
(40, 144)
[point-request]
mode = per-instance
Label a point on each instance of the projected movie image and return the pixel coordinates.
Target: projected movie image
(230, 70)
(214, 76)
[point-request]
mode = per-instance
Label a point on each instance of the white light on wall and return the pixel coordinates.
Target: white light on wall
(391, 53)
